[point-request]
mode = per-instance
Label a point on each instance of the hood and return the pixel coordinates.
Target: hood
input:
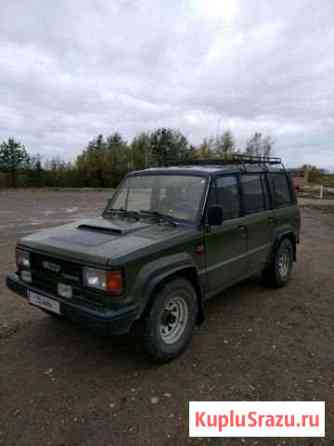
(105, 241)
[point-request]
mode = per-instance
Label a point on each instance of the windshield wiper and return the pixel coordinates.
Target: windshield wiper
(122, 211)
(158, 215)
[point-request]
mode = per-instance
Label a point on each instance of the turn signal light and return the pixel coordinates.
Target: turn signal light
(114, 282)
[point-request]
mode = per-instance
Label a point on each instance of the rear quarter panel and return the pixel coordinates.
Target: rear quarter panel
(287, 221)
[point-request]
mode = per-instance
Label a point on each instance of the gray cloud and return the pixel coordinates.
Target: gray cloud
(70, 70)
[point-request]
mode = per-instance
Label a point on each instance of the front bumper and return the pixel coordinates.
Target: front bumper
(104, 322)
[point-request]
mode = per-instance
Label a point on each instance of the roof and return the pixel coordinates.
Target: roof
(234, 162)
(206, 170)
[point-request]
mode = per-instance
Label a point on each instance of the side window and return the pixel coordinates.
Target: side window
(280, 189)
(228, 196)
(254, 199)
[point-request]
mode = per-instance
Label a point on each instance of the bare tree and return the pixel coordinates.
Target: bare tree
(259, 145)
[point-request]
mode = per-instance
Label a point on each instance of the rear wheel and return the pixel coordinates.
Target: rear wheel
(170, 320)
(278, 273)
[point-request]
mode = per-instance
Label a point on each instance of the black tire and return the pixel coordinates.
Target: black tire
(159, 342)
(278, 273)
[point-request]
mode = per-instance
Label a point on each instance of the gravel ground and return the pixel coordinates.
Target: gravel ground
(61, 386)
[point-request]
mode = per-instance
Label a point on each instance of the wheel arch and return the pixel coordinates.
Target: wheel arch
(188, 273)
(290, 235)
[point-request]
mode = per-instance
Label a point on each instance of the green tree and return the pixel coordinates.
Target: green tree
(91, 163)
(36, 173)
(104, 162)
(57, 173)
(169, 146)
(206, 150)
(13, 157)
(141, 151)
(117, 159)
(225, 144)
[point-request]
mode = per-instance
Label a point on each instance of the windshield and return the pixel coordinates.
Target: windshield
(177, 196)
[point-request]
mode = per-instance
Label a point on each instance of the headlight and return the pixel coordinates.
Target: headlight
(22, 259)
(109, 281)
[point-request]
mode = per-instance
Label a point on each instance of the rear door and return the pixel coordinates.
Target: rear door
(259, 219)
(226, 245)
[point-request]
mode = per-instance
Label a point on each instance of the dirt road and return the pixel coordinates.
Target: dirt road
(62, 386)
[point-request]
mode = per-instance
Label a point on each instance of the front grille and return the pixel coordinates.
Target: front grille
(47, 272)
(49, 266)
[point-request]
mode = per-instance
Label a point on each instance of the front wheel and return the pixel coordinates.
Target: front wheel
(278, 273)
(170, 320)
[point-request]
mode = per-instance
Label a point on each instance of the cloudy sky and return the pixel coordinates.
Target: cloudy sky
(70, 70)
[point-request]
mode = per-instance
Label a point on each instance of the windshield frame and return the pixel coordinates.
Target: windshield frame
(197, 220)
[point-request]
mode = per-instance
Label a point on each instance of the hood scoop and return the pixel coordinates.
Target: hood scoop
(97, 231)
(101, 229)
(88, 237)
(108, 227)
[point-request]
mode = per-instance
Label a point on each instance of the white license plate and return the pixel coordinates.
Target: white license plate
(44, 302)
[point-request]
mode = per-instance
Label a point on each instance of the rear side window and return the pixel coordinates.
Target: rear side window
(227, 193)
(254, 198)
(280, 189)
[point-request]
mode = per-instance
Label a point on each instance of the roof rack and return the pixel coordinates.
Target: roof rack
(231, 159)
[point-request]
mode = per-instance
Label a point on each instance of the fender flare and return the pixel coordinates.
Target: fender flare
(157, 271)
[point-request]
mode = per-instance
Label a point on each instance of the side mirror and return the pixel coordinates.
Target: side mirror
(215, 215)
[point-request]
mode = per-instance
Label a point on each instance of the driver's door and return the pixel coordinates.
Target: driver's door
(226, 245)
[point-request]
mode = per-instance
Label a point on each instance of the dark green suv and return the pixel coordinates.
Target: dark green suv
(170, 238)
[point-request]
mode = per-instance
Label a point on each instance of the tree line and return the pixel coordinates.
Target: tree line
(105, 160)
